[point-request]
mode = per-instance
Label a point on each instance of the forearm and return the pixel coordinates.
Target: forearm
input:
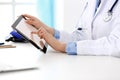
(49, 38)
(50, 30)
(55, 44)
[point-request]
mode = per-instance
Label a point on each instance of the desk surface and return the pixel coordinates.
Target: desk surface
(57, 66)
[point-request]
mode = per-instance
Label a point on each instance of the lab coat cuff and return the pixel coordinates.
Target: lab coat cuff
(71, 48)
(57, 34)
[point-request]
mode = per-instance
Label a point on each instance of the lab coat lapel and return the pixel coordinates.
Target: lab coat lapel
(92, 5)
(103, 4)
(89, 15)
(100, 14)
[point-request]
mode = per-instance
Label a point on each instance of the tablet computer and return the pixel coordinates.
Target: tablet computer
(26, 31)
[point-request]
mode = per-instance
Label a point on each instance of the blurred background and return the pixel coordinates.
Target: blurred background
(59, 14)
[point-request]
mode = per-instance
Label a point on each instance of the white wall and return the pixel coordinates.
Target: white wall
(59, 14)
(72, 11)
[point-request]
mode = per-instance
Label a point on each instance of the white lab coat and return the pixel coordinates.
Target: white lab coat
(97, 37)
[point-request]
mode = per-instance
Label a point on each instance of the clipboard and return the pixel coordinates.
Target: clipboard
(25, 30)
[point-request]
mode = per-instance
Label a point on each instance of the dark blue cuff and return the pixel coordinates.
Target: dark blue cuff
(71, 48)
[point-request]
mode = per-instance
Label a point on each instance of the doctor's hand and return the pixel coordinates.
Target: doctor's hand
(37, 23)
(54, 43)
(42, 33)
(33, 21)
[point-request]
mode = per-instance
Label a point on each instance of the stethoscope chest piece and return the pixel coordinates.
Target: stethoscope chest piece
(108, 16)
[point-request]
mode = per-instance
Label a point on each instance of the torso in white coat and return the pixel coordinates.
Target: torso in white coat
(100, 27)
(97, 37)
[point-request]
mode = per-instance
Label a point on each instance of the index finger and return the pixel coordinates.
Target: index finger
(34, 32)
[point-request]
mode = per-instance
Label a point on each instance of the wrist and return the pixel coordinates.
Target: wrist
(50, 30)
(63, 47)
(47, 36)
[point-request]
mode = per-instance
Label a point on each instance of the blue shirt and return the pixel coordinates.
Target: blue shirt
(71, 47)
(97, 4)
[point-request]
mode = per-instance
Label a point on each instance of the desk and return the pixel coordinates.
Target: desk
(58, 66)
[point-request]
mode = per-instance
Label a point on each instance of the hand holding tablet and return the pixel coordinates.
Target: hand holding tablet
(26, 31)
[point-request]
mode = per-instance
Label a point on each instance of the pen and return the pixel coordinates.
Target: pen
(82, 29)
(1, 43)
(79, 28)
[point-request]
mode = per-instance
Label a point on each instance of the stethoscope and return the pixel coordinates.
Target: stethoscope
(109, 14)
(107, 17)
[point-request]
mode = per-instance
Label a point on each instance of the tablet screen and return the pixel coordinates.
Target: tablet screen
(26, 30)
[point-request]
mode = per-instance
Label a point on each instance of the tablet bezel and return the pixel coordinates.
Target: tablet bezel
(25, 37)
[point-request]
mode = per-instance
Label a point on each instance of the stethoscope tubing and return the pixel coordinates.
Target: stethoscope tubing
(109, 12)
(111, 9)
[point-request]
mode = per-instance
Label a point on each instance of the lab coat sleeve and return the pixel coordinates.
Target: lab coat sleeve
(65, 37)
(77, 35)
(109, 45)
